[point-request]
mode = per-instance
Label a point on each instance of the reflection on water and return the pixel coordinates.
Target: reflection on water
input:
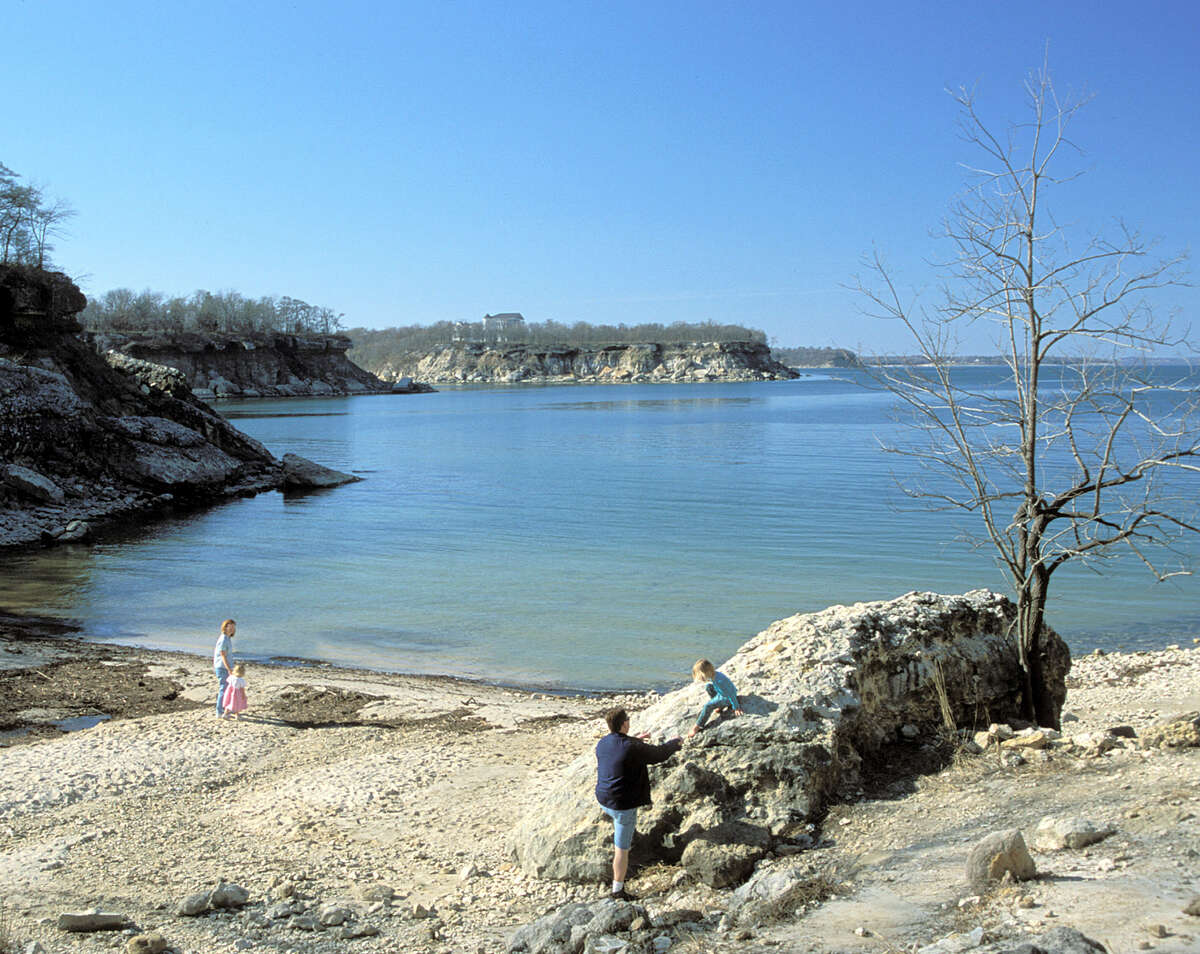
(234, 414)
(675, 404)
(78, 723)
(503, 535)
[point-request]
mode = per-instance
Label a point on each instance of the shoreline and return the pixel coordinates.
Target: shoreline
(22, 628)
(38, 644)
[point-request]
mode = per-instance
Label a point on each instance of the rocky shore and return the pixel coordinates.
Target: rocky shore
(356, 811)
(90, 441)
(618, 364)
(257, 364)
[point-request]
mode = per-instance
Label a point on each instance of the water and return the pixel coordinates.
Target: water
(570, 537)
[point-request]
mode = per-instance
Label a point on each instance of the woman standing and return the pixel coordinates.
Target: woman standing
(222, 665)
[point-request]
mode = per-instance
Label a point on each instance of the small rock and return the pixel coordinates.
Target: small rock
(909, 731)
(1178, 731)
(1025, 901)
(1055, 834)
(332, 915)
(228, 896)
(1000, 853)
(1032, 740)
(283, 890)
(351, 931)
(1157, 930)
(83, 921)
(373, 892)
(194, 904)
(149, 943)
(1193, 907)
(1094, 743)
(305, 922)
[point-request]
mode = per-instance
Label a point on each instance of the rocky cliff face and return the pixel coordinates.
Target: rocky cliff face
(825, 695)
(251, 365)
(86, 442)
(469, 364)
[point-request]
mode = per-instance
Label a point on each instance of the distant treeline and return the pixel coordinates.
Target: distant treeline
(124, 310)
(375, 347)
(816, 357)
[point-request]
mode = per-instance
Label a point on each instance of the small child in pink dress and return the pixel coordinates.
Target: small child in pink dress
(234, 702)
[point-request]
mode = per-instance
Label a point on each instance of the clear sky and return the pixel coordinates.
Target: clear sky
(615, 161)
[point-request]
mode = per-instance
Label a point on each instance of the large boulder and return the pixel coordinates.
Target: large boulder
(31, 484)
(300, 473)
(821, 692)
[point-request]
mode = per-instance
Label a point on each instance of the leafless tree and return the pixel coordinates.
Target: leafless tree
(1089, 449)
(47, 220)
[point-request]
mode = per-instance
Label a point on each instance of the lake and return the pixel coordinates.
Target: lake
(590, 537)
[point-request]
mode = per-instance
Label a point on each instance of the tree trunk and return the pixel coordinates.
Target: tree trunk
(1037, 703)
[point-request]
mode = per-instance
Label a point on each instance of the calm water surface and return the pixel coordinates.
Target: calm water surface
(585, 537)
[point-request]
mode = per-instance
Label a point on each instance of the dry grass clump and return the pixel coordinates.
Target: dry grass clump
(8, 940)
(818, 886)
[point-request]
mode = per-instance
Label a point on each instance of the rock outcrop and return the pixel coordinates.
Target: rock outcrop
(86, 442)
(821, 693)
(618, 364)
(252, 365)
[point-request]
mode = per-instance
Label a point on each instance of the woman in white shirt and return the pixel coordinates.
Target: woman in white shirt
(222, 665)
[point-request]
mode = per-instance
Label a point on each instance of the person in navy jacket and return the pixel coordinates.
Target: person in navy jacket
(623, 785)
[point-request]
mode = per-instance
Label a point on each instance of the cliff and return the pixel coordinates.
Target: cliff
(260, 364)
(818, 357)
(633, 363)
(86, 442)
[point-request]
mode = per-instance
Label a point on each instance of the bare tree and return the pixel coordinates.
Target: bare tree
(1088, 450)
(47, 220)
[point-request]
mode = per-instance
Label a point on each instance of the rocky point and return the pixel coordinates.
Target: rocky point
(87, 442)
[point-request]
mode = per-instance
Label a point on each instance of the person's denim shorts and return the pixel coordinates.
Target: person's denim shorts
(624, 825)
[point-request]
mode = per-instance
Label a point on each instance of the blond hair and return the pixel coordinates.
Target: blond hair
(703, 670)
(239, 669)
(227, 626)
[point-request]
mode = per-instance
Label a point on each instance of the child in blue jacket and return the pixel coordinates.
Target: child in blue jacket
(721, 693)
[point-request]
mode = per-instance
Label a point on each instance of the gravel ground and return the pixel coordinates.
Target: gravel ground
(389, 798)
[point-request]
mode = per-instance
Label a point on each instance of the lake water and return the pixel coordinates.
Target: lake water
(567, 537)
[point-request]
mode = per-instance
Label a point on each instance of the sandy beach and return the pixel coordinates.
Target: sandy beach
(383, 802)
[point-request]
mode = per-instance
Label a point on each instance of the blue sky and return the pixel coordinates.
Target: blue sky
(606, 162)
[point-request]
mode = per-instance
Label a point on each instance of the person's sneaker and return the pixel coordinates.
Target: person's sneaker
(622, 895)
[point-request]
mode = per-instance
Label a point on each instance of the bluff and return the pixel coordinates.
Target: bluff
(628, 363)
(87, 441)
(257, 364)
(826, 695)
